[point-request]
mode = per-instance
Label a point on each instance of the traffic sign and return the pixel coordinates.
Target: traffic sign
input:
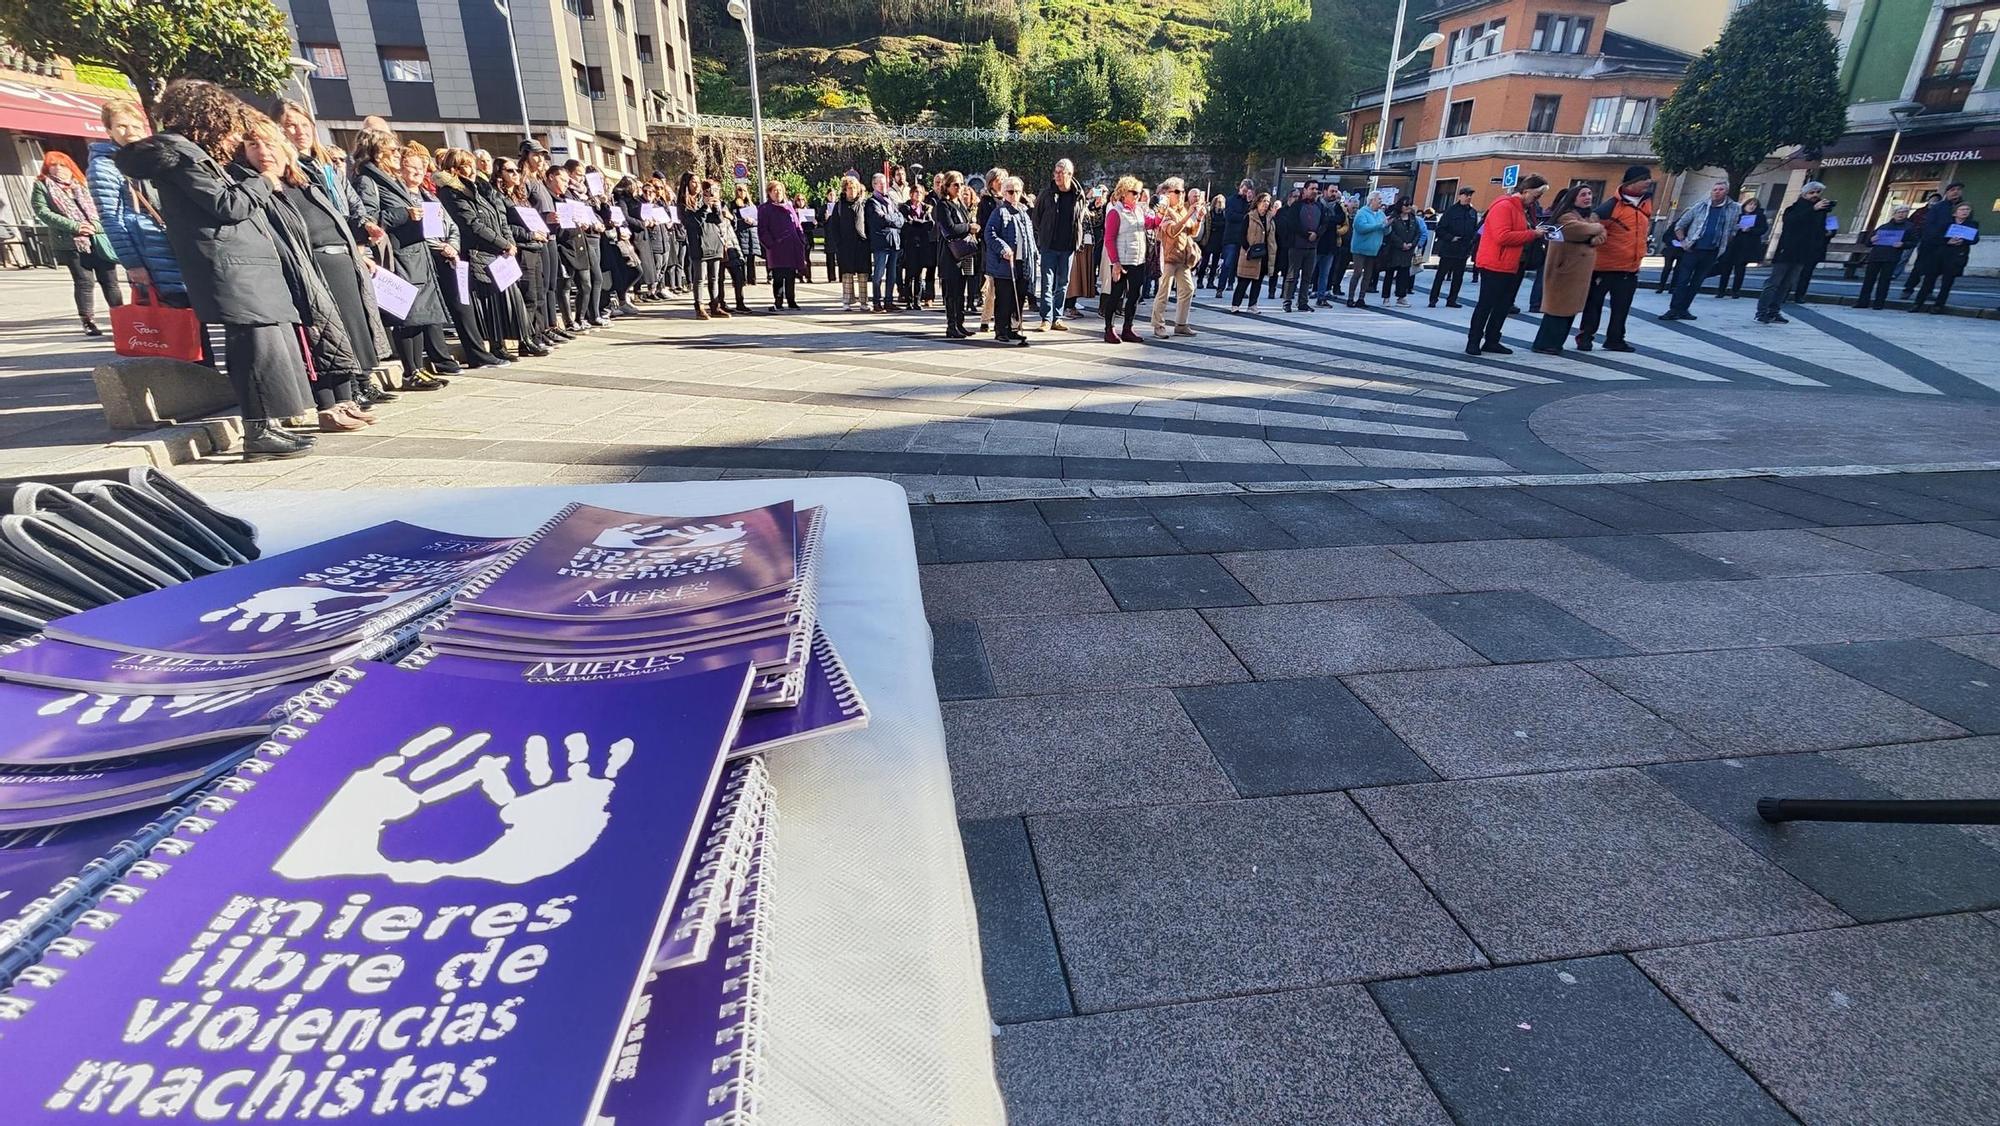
(743, 171)
(1509, 176)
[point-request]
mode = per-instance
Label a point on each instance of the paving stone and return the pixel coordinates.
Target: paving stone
(1322, 1056)
(1017, 946)
(1170, 582)
(1516, 511)
(1974, 490)
(989, 590)
(1766, 701)
(1923, 545)
(1820, 510)
(1725, 512)
(1322, 574)
(1887, 1024)
(1062, 653)
(1322, 520)
(1560, 1043)
(1081, 751)
(958, 661)
(1425, 517)
(1881, 494)
(969, 533)
(1870, 871)
(1561, 865)
(1513, 625)
(1508, 564)
(1979, 586)
(1870, 607)
(1654, 558)
(1621, 512)
(1946, 770)
(1188, 902)
(1945, 683)
(1667, 617)
(1792, 551)
(1132, 535)
(1982, 647)
(1308, 639)
(1519, 719)
(1217, 524)
(1298, 736)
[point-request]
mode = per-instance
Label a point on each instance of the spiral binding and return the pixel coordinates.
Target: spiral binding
(468, 593)
(805, 579)
(745, 1001)
(714, 888)
(845, 695)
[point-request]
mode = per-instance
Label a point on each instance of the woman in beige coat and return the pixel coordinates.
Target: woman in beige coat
(1259, 252)
(1572, 256)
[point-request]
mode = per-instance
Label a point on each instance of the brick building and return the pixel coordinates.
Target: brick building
(1549, 85)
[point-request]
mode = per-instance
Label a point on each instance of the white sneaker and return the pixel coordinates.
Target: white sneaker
(1403, 301)
(1162, 334)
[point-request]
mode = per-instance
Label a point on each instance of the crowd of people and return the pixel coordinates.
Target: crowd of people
(339, 280)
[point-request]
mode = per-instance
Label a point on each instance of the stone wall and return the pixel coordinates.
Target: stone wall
(715, 153)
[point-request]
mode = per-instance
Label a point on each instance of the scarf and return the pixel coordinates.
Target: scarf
(75, 205)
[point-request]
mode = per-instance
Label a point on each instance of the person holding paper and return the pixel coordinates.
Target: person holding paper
(749, 242)
(784, 243)
(542, 201)
(1948, 260)
(483, 237)
(531, 235)
(590, 283)
(229, 262)
(710, 238)
(452, 267)
(1703, 231)
(1570, 264)
(919, 261)
(808, 229)
(386, 202)
(1753, 229)
(1886, 244)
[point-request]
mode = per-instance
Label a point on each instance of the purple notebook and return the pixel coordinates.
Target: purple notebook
(594, 564)
(317, 597)
(776, 689)
(731, 837)
(38, 862)
(60, 664)
(52, 787)
(437, 906)
(50, 726)
(448, 637)
(690, 1055)
(828, 702)
(221, 758)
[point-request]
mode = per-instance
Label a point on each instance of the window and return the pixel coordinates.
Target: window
(1395, 132)
(594, 76)
(1562, 35)
(1458, 120)
(631, 94)
(1629, 116)
(1542, 114)
(581, 9)
(1469, 40)
(1368, 134)
(1964, 37)
(618, 14)
(406, 64)
(579, 80)
(645, 43)
(1443, 193)
(327, 57)
(673, 61)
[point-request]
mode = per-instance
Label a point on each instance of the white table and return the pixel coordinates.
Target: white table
(877, 1011)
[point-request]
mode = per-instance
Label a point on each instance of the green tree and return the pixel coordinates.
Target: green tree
(1771, 80)
(977, 88)
(1068, 90)
(236, 43)
(1248, 107)
(899, 87)
(1124, 83)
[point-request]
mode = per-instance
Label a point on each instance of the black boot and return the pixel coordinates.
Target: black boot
(264, 442)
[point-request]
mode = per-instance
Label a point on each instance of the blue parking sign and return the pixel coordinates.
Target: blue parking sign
(1509, 176)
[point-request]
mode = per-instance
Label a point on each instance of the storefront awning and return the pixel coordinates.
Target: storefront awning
(39, 109)
(1865, 150)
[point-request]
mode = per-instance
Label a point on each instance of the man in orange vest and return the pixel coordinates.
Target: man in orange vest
(1628, 219)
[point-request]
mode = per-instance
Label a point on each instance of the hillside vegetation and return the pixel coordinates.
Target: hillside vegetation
(1075, 63)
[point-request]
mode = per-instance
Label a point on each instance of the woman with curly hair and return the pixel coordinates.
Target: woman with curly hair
(228, 254)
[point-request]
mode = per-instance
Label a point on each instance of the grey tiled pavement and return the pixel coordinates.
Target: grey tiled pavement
(1436, 807)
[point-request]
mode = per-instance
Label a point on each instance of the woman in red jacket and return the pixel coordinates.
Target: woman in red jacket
(1501, 238)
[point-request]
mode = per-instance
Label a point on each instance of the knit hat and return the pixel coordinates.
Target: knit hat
(1636, 172)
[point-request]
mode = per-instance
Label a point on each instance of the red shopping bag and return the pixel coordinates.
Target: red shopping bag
(145, 327)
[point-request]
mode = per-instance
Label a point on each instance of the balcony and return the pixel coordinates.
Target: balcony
(1615, 146)
(1364, 160)
(1944, 95)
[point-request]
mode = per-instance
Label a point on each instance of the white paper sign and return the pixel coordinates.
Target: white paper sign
(532, 219)
(506, 270)
(617, 216)
(1832, 224)
(652, 213)
(433, 219)
(595, 182)
(808, 215)
(673, 215)
(747, 214)
(565, 218)
(462, 271)
(392, 293)
(1388, 196)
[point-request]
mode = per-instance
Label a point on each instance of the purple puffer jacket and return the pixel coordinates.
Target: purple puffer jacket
(784, 240)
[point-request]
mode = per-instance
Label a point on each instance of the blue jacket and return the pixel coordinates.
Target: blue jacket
(1010, 228)
(137, 240)
(1368, 227)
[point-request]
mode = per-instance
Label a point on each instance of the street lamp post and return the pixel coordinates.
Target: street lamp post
(741, 10)
(1428, 43)
(520, 87)
(1904, 113)
(302, 72)
(1459, 54)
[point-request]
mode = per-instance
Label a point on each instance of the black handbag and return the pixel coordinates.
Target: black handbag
(962, 248)
(1260, 250)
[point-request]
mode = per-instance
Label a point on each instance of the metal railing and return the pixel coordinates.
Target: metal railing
(874, 131)
(1617, 145)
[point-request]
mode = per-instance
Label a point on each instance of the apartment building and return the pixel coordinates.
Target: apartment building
(1553, 86)
(589, 77)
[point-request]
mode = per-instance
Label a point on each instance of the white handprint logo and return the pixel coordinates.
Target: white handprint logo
(636, 536)
(137, 707)
(299, 608)
(549, 825)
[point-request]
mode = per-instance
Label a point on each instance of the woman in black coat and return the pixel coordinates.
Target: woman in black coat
(919, 260)
(378, 185)
(483, 236)
(847, 234)
(1746, 246)
(709, 240)
(954, 224)
(228, 255)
